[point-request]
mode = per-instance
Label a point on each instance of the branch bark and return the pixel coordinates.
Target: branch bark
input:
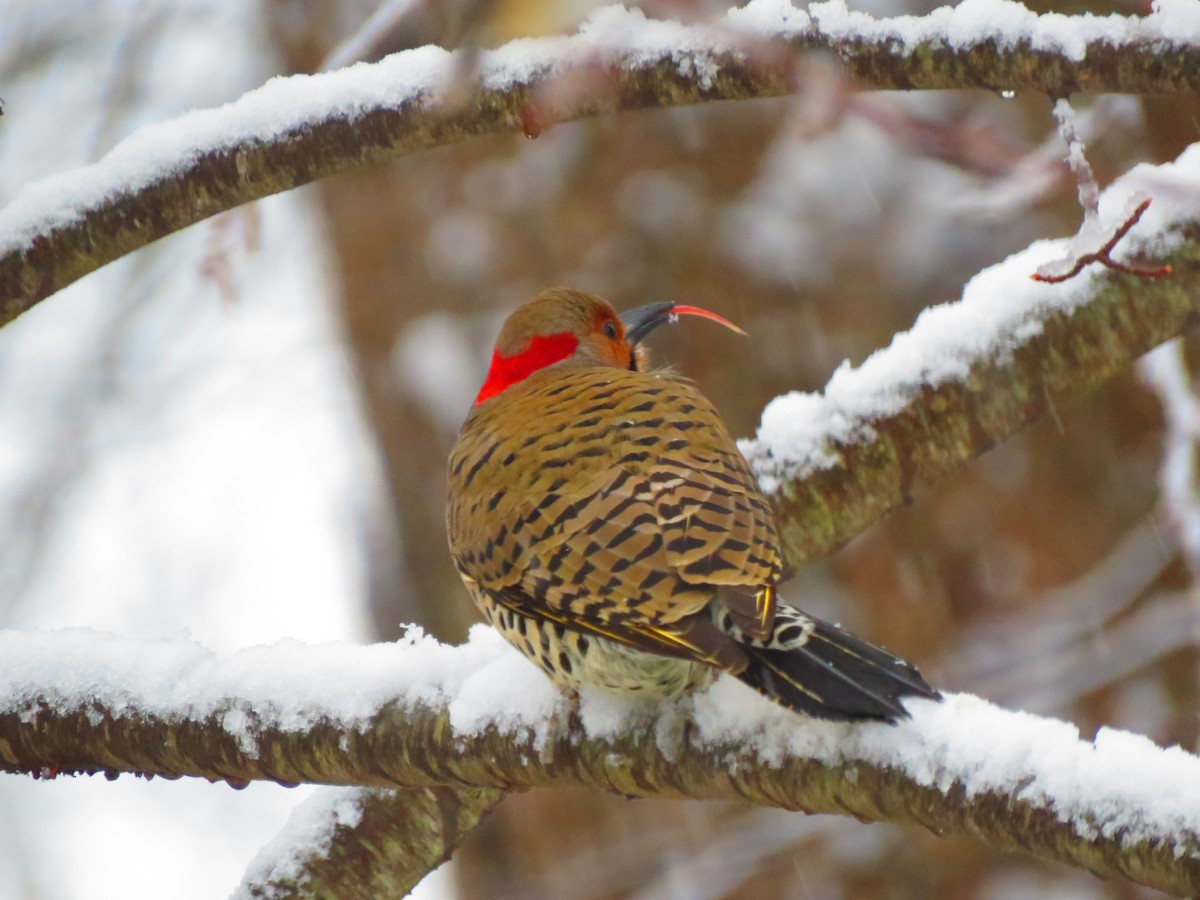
(372, 843)
(55, 234)
(934, 770)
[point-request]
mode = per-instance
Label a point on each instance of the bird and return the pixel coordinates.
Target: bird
(605, 523)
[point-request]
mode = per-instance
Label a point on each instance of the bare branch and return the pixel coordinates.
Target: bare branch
(54, 234)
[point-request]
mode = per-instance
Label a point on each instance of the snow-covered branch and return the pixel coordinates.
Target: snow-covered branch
(969, 374)
(294, 130)
(418, 714)
(365, 842)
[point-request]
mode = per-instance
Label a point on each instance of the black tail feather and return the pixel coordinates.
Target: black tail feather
(830, 674)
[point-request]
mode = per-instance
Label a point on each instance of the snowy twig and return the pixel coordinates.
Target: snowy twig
(1091, 230)
(1085, 179)
(1103, 256)
(423, 715)
(294, 130)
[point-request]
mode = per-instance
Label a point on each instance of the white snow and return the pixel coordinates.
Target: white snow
(1117, 785)
(308, 834)
(767, 18)
(972, 23)
(1000, 307)
(609, 34)
(287, 684)
(281, 105)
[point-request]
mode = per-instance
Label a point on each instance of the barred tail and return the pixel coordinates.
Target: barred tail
(815, 668)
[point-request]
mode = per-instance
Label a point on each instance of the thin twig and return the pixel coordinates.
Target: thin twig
(1103, 256)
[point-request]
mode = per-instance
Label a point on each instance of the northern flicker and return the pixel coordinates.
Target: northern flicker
(604, 521)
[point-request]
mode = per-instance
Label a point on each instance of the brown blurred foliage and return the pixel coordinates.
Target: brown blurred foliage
(823, 224)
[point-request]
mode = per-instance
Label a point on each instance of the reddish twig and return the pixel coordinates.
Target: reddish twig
(1103, 255)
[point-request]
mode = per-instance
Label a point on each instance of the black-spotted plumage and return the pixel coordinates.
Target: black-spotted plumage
(604, 521)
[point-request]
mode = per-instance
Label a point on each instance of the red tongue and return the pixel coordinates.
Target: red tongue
(705, 314)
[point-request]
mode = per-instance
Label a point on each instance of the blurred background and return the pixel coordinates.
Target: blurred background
(239, 433)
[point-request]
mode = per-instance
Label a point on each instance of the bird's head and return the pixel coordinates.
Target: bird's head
(563, 324)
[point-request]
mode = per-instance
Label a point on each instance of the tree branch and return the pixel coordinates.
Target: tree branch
(293, 131)
(967, 376)
(1117, 807)
(365, 842)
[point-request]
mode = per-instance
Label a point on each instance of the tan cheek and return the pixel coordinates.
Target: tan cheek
(609, 351)
(614, 351)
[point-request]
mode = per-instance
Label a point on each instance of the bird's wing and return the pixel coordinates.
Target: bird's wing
(618, 557)
(719, 532)
(693, 638)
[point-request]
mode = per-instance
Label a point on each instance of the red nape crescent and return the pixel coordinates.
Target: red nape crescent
(543, 350)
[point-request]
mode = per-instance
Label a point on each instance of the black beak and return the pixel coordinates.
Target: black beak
(642, 320)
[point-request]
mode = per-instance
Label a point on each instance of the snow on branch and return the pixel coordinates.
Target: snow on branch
(294, 130)
(418, 715)
(365, 842)
(969, 374)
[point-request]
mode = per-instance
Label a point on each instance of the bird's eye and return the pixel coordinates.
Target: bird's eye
(610, 330)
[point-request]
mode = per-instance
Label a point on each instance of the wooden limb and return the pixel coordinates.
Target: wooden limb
(365, 842)
(902, 455)
(1116, 807)
(63, 233)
